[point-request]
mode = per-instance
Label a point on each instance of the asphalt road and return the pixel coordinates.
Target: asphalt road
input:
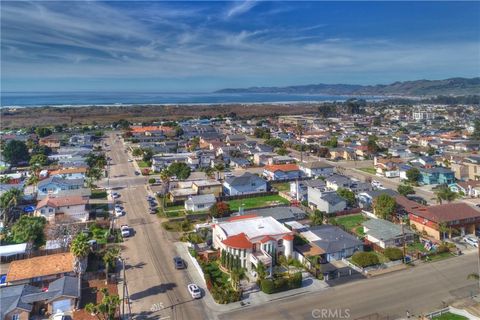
(421, 289)
(156, 289)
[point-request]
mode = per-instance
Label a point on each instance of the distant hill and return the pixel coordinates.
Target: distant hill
(417, 88)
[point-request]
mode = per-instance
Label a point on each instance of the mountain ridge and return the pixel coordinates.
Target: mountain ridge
(457, 86)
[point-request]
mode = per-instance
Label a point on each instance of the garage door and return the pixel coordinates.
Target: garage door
(61, 306)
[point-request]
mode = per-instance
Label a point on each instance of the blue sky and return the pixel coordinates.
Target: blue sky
(203, 46)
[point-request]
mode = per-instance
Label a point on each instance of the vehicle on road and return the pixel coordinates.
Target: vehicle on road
(115, 195)
(179, 263)
(471, 240)
(119, 213)
(150, 198)
(125, 230)
(137, 173)
(130, 160)
(194, 291)
(477, 205)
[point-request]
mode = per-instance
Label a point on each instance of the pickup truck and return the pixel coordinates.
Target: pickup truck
(125, 230)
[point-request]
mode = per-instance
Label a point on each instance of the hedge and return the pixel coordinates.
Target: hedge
(281, 284)
(393, 254)
(365, 259)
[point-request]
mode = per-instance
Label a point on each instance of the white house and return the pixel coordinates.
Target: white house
(316, 169)
(69, 173)
(200, 202)
(253, 239)
(70, 208)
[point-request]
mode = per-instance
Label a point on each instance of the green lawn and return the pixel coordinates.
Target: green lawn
(98, 194)
(257, 202)
(440, 256)
(449, 316)
(350, 222)
(282, 186)
(416, 246)
(368, 170)
(143, 164)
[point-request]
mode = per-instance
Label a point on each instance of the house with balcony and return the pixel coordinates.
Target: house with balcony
(253, 239)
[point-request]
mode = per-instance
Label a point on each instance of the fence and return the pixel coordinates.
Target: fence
(32, 254)
(247, 195)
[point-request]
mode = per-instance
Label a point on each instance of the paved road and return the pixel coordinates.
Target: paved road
(157, 290)
(420, 289)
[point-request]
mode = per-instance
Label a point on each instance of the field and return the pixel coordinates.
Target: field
(23, 117)
(257, 202)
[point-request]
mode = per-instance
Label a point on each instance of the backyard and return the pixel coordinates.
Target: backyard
(257, 202)
(281, 186)
(143, 164)
(352, 222)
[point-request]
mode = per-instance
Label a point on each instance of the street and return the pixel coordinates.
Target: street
(156, 289)
(420, 289)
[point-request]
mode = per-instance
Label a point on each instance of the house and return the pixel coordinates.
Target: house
(470, 188)
(262, 158)
(331, 242)
(337, 181)
(59, 187)
(239, 163)
(68, 208)
(164, 160)
(456, 217)
(317, 169)
(399, 151)
(326, 201)
(235, 139)
(387, 234)
(388, 167)
(299, 189)
(247, 183)
(281, 160)
(207, 187)
(200, 202)
(365, 199)
(282, 172)
(22, 302)
(253, 240)
(436, 175)
(50, 141)
(473, 165)
(42, 269)
(69, 173)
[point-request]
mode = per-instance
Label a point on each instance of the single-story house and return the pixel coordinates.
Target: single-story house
(200, 202)
(387, 234)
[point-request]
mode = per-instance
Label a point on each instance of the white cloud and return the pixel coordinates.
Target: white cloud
(240, 8)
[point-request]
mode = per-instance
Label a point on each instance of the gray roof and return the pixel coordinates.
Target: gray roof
(280, 213)
(23, 296)
(375, 193)
(332, 198)
(333, 239)
(202, 199)
(244, 179)
(315, 183)
(339, 179)
(384, 230)
(61, 181)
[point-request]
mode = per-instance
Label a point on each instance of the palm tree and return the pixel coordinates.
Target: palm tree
(107, 308)
(165, 177)
(444, 193)
(261, 271)
(8, 201)
(80, 250)
(93, 174)
(442, 227)
(219, 167)
(110, 257)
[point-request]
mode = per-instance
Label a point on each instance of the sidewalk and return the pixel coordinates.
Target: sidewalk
(309, 284)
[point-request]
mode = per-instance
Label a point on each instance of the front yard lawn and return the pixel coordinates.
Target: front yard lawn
(368, 170)
(449, 316)
(257, 202)
(412, 248)
(143, 164)
(352, 221)
(98, 194)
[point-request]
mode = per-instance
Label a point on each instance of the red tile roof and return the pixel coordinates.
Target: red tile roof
(239, 241)
(288, 237)
(150, 128)
(266, 239)
(281, 167)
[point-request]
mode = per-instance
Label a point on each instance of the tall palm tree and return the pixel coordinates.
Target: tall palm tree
(165, 177)
(8, 201)
(80, 250)
(219, 167)
(110, 257)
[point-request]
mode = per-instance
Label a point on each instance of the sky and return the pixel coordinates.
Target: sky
(205, 46)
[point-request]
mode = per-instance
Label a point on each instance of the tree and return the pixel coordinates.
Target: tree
(137, 152)
(43, 132)
(93, 174)
(282, 152)
(147, 155)
(107, 308)
(442, 227)
(274, 142)
(38, 149)
(384, 206)
(377, 122)
(219, 167)
(316, 217)
(413, 175)
(327, 110)
(179, 169)
(348, 195)
(219, 209)
(332, 143)
(476, 130)
(405, 190)
(261, 271)
(236, 274)
(372, 144)
(444, 193)
(15, 152)
(8, 201)
(39, 159)
(80, 250)
(29, 229)
(110, 257)
(5, 179)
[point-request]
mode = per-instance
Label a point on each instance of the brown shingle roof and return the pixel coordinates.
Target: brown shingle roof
(61, 202)
(447, 212)
(281, 167)
(40, 266)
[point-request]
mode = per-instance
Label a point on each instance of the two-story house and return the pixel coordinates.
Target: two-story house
(317, 169)
(245, 184)
(60, 208)
(282, 172)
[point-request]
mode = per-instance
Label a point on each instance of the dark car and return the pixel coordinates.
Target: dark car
(137, 173)
(179, 263)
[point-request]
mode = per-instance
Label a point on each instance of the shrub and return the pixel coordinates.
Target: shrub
(365, 259)
(442, 248)
(393, 253)
(151, 180)
(281, 284)
(267, 286)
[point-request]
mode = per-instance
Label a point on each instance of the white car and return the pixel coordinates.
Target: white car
(115, 195)
(125, 230)
(130, 160)
(471, 241)
(194, 291)
(119, 213)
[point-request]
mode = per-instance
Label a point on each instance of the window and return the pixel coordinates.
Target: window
(16, 316)
(201, 205)
(280, 242)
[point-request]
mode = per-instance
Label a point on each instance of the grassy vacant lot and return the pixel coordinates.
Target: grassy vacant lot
(368, 170)
(99, 194)
(350, 222)
(449, 316)
(257, 202)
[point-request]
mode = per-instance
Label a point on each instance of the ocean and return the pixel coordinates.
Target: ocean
(72, 99)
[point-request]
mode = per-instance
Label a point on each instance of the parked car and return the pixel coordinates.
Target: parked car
(179, 263)
(125, 230)
(119, 213)
(150, 198)
(115, 195)
(137, 173)
(471, 240)
(130, 160)
(194, 291)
